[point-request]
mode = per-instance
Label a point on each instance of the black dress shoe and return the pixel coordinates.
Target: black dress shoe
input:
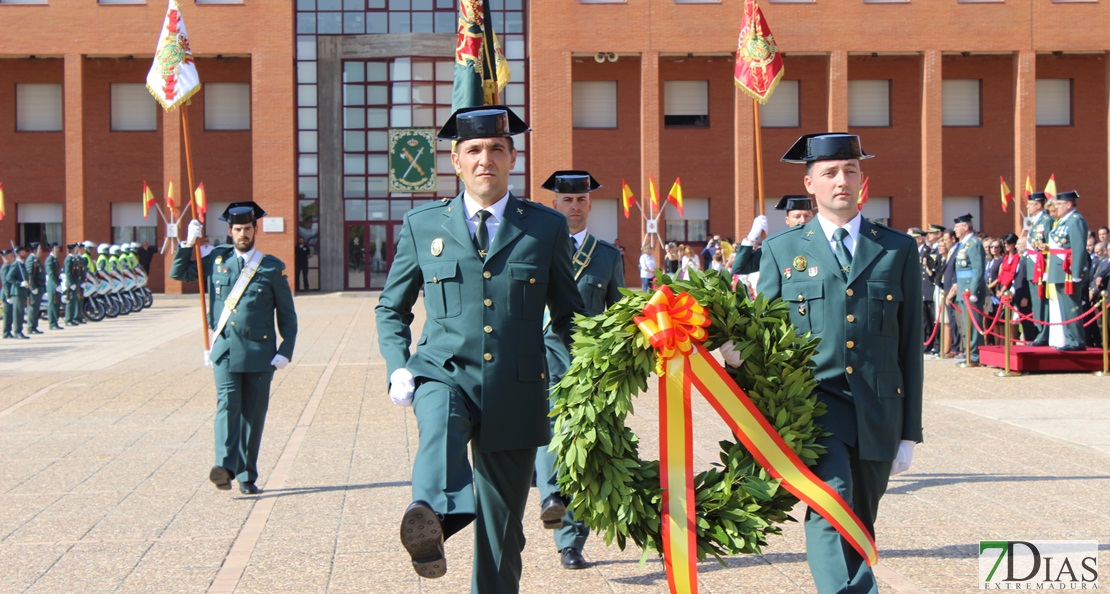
(8, 336)
(1039, 343)
(552, 511)
(1071, 347)
(422, 537)
(56, 327)
(249, 489)
(572, 559)
(221, 477)
(21, 335)
(35, 331)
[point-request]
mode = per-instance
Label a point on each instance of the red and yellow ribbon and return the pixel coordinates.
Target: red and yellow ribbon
(676, 325)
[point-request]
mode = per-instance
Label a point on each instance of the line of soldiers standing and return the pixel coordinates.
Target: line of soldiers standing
(1048, 282)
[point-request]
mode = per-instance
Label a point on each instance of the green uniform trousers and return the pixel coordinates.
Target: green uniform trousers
(8, 317)
(31, 309)
(241, 403)
(573, 533)
(493, 495)
(51, 305)
(835, 565)
(1070, 307)
(1039, 312)
(73, 305)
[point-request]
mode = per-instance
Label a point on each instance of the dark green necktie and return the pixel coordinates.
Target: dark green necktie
(843, 256)
(481, 235)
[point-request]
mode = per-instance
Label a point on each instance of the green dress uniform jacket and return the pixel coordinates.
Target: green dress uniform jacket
(971, 266)
(36, 278)
(1070, 233)
(70, 279)
(17, 293)
(869, 368)
(599, 283)
(7, 307)
(51, 269)
(241, 353)
(745, 260)
(1038, 232)
(479, 365)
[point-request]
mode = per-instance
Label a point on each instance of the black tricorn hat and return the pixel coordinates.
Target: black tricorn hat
(916, 232)
(963, 218)
(241, 213)
(5, 252)
(826, 146)
(571, 182)
(935, 228)
(1069, 196)
(71, 246)
(794, 202)
(1037, 197)
(483, 121)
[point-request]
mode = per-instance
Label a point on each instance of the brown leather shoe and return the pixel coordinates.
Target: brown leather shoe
(422, 537)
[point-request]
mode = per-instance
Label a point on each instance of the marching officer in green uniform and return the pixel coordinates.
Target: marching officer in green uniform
(52, 271)
(1067, 271)
(799, 211)
(70, 280)
(246, 290)
(971, 265)
(36, 278)
(856, 285)
(488, 263)
(18, 282)
(599, 272)
(1036, 263)
(6, 259)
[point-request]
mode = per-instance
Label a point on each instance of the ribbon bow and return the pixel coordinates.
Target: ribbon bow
(672, 322)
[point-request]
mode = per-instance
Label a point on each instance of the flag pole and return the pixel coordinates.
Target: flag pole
(193, 212)
(758, 156)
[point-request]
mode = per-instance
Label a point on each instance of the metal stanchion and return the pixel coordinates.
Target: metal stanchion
(1105, 347)
(967, 333)
(942, 351)
(1005, 371)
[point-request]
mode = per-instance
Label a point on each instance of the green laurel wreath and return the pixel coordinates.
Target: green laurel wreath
(616, 493)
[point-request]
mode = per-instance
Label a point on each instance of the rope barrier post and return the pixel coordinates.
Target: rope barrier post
(1005, 371)
(1105, 348)
(967, 332)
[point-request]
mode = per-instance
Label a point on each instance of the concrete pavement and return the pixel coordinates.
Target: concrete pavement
(105, 445)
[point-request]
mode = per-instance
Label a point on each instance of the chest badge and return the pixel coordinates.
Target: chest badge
(809, 233)
(437, 246)
(800, 263)
(787, 273)
(812, 271)
(219, 259)
(520, 211)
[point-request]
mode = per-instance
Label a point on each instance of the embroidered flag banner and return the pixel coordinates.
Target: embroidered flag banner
(173, 77)
(759, 65)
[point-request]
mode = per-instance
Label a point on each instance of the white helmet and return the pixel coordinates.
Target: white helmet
(113, 250)
(88, 244)
(132, 246)
(102, 248)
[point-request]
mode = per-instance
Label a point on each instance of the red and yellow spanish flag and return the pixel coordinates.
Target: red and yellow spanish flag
(148, 200)
(652, 193)
(759, 65)
(3, 213)
(481, 70)
(173, 77)
(201, 201)
(675, 196)
(169, 200)
(1007, 195)
(1050, 188)
(862, 194)
(1028, 186)
(627, 199)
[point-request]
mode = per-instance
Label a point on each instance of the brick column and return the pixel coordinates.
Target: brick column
(838, 91)
(744, 174)
(650, 122)
(273, 156)
(173, 167)
(551, 142)
(1025, 118)
(932, 128)
(76, 228)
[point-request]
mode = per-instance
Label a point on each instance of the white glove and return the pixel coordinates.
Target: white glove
(73, 287)
(730, 355)
(65, 299)
(974, 299)
(194, 233)
(401, 387)
(24, 285)
(279, 362)
(759, 225)
(904, 458)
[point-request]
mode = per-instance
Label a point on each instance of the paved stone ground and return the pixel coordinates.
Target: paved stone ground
(105, 445)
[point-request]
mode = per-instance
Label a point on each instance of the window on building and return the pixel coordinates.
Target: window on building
(39, 221)
(686, 103)
(605, 218)
(133, 108)
(877, 209)
(955, 206)
(128, 223)
(38, 107)
(783, 110)
(1053, 101)
(23, 2)
(227, 106)
(595, 104)
(869, 103)
(961, 102)
(693, 226)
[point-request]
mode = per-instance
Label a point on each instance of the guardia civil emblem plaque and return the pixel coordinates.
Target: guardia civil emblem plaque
(412, 160)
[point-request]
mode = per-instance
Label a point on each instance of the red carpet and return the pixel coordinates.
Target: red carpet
(1027, 359)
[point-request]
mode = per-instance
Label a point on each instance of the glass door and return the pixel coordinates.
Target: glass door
(369, 252)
